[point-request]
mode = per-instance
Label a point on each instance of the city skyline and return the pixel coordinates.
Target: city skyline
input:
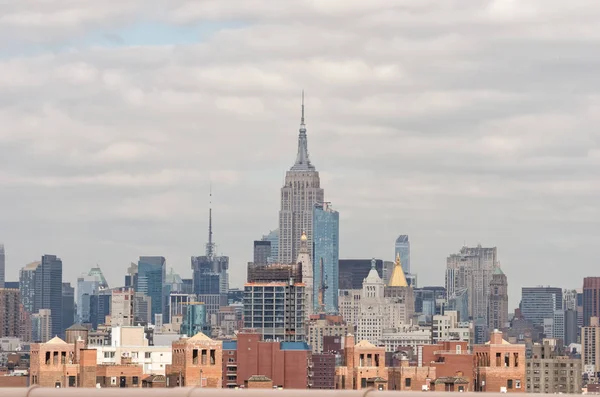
(448, 132)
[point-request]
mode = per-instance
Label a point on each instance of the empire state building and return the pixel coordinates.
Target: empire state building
(302, 190)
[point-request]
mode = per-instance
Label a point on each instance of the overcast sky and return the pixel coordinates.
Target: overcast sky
(451, 121)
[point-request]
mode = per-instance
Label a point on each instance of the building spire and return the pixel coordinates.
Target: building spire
(210, 247)
(302, 161)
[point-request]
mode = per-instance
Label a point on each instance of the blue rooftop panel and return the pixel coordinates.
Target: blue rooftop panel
(230, 345)
(294, 346)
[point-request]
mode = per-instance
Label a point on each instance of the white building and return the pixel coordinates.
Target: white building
(447, 327)
(349, 305)
(122, 307)
(307, 275)
(131, 342)
(302, 190)
(405, 336)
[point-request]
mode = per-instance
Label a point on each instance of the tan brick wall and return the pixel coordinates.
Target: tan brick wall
(260, 385)
(195, 359)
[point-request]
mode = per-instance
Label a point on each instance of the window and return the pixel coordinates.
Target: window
(113, 380)
(109, 354)
(509, 384)
(517, 384)
(195, 356)
(135, 380)
(72, 381)
(147, 355)
(407, 382)
(212, 357)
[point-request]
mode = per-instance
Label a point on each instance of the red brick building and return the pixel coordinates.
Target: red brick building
(364, 367)
(499, 366)
(197, 361)
(454, 365)
(285, 363)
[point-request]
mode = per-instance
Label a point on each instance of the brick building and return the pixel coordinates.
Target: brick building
(323, 369)
(364, 366)
(60, 364)
(499, 366)
(410, 378)
(197, 361)
(454, 365)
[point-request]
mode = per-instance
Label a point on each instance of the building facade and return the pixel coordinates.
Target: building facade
(539, 303)
(10, 313)
(122, 307)
(550, 373)
(301, 191)
(68, 305)
(364, 367)
(472, 269)
(326, 244)
(197, 361)
(48, 291)
(27, 285)
(498, 300)
(151, 281)
(591, 299)
(2, 265)
(262, 252)
(322, 325)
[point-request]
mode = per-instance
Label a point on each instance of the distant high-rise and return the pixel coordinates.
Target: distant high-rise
(99, 307)
(41, 326)
(152, 271)
(302, 190)
(2, 266)
(27, 286)
(326, 257)
(273, 238)
(262, 252)
(131, 276)
(472, 269)
(352, 272)
(591, 299)
(122, 307)
(210, 273)
(48, 291)
(68, 304)
(402, 248)
(10, 313)
(498, 300)
(89, 283)
(304, 260)
(540, 303)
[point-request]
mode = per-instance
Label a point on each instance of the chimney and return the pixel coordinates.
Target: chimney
(496, 337)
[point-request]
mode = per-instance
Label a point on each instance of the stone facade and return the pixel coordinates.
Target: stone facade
(548, 372)
(197, 361)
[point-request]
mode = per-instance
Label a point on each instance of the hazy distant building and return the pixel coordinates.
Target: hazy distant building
(262, 252)
(2, 266)
(326, 246)
(498, 301)
(41, 326)
(273, 238)
(472, 269)
(48, 291)
(591, 298)
(10, 313)
(89, 283)
(539, 303)
(68, 305)
(142, 309)
(301, 191)
(151, 281)
(571, 328)
(590, 345)
(27, 286)
(122, 307)
(352, 272)
(402, 248)
(131, 276)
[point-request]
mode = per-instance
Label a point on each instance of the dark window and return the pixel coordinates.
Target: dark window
(195, 356)
(72, 381)
(134, 380)
(123, 382)
(509, 384)
(407, 382)
(212, 357)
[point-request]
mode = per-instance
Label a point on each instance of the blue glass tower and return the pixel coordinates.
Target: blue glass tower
(151, 279)
(326, 250)
(402, 248)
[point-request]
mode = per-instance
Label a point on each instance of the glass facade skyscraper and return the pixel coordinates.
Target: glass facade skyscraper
(402, 247)
(326, 250)
(151, 279)
(2, 266)
(48, 291)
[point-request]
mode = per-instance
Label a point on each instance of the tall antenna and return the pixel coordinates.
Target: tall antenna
(210, 246)
(302, 119)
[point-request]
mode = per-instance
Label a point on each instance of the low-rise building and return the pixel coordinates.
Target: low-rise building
(364, 367)
(197, 361)
(405, 336)
(446, 327)
(321, 325)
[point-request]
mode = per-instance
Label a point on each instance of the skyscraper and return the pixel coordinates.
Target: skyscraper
(48, 291)
(326, 248)
(27, 285)
(273, 238)
(210, 273)
(498, 300)
(472, 269)
(591, 299)
(402, 248)
(88, 284)
(68, 304)
(152, 272)
(540, 303)
(262, 252)
(2, 266)
(302, 190)
(10, 312)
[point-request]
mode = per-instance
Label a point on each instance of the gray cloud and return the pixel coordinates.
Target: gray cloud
(451, 121)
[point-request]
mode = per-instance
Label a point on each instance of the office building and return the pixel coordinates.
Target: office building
(276, 310)
(447, 327)
(498, 301)
(472, 269)
(590, 346)
(88, 284)
(591, 299)
(550, 373)
(68, 305)
(48, 290)
(10, 313)
(402, 248)
(195, 320)
(41, 325)
(326, 246)
(131, 276)
(302, 190)
(273, 238)
(2, 265)
(539, 303)
(27, 286)
(100, 308)
(142, 309)
(151, 281)
(262, 252)
(352, 272)
(571, 328)
(178, 303)
(322, 325)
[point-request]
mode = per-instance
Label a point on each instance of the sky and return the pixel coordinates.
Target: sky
(455, 122)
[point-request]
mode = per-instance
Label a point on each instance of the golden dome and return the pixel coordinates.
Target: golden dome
(303, 238)
(398, 278)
